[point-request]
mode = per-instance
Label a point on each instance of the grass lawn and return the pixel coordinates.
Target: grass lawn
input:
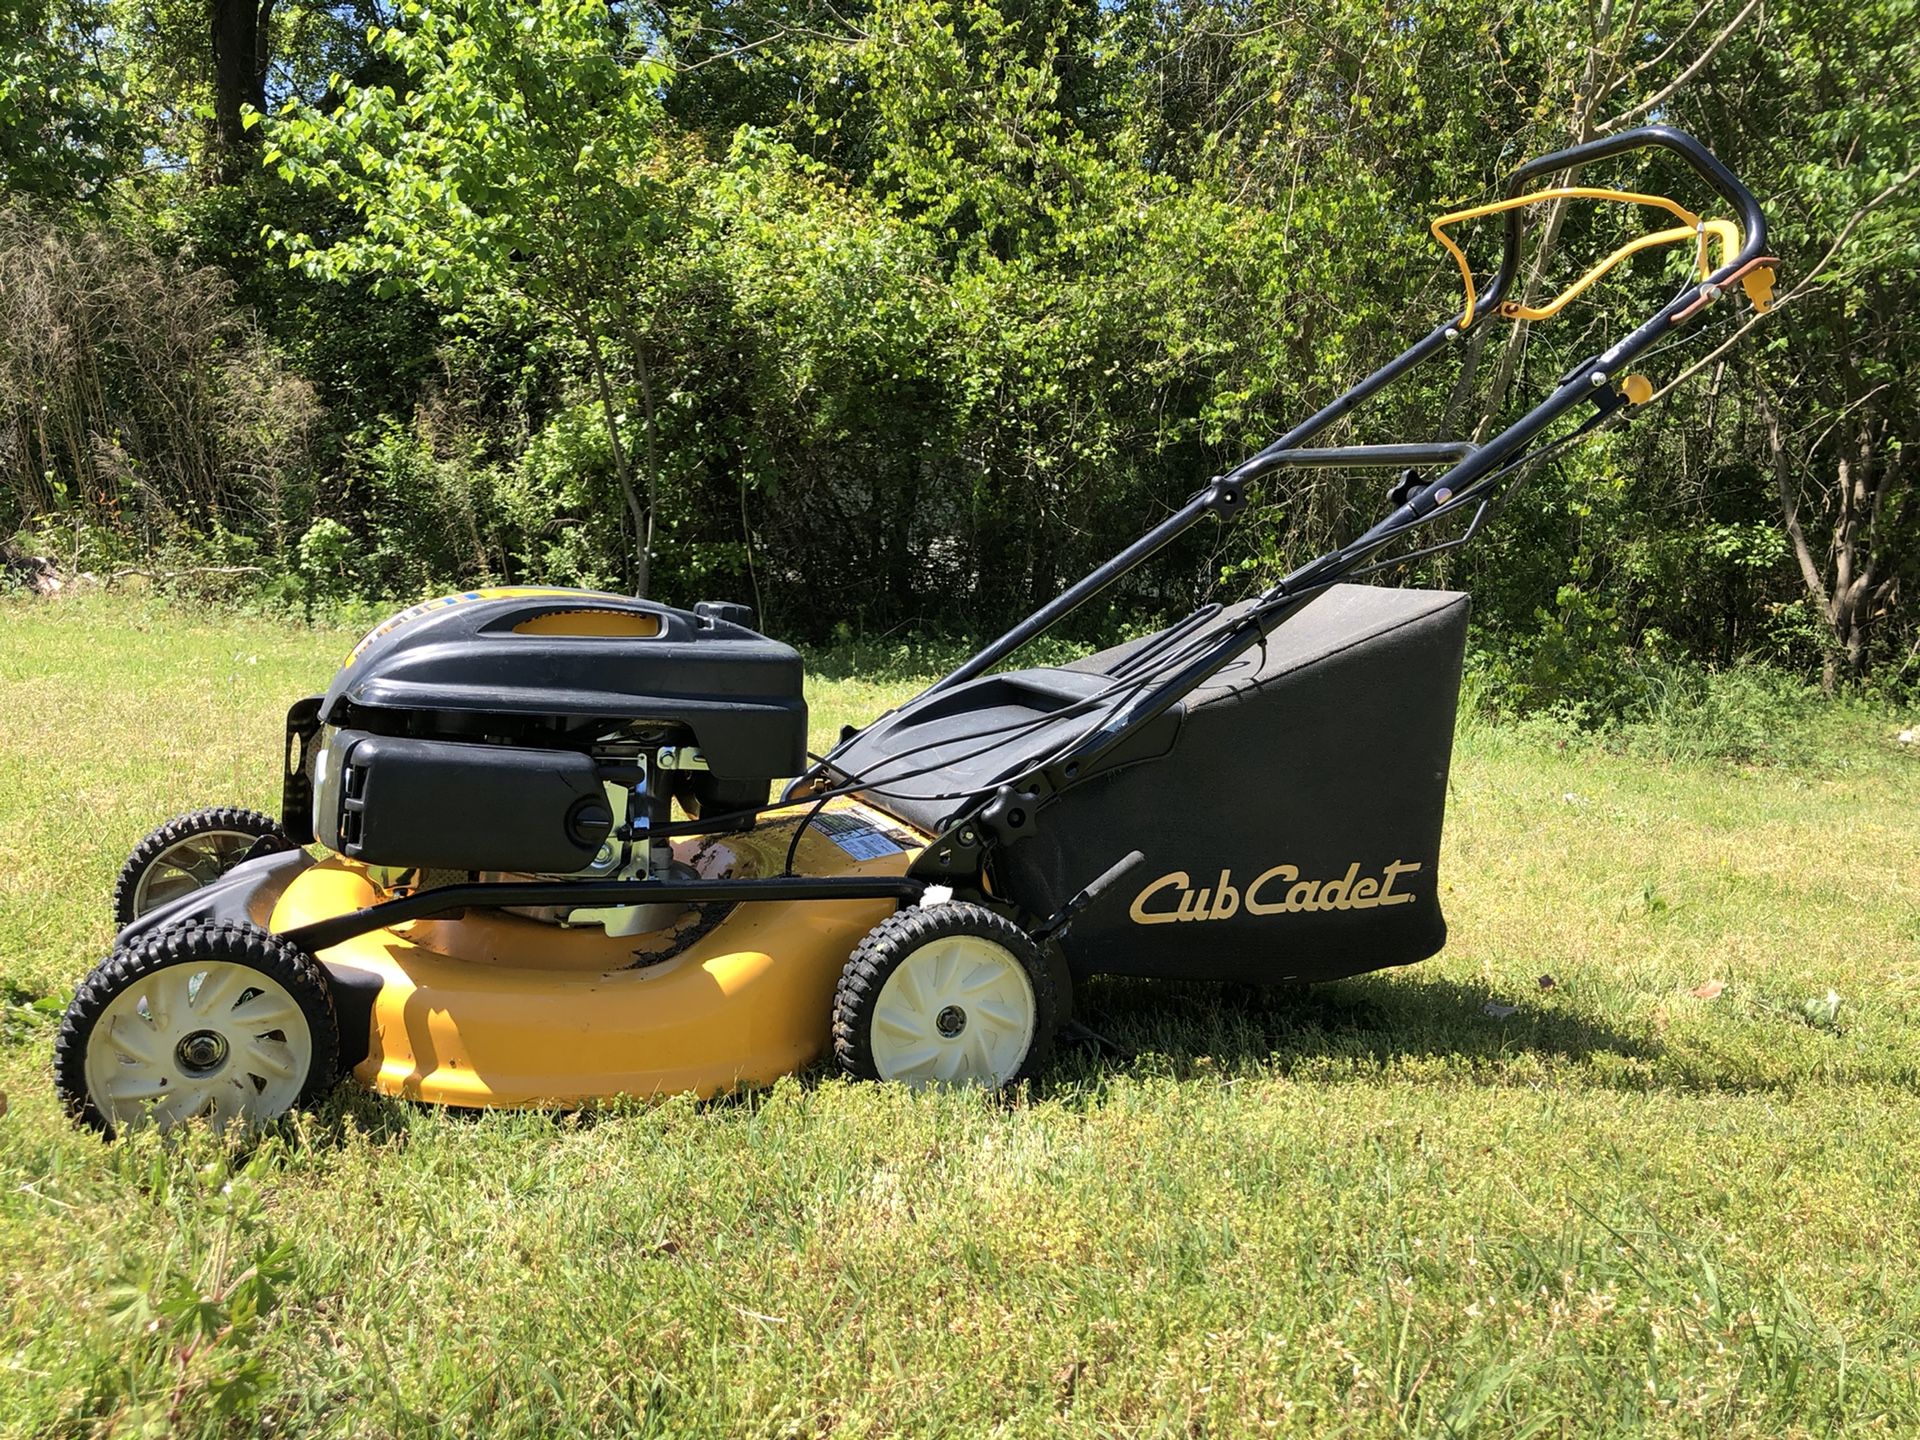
(1377, 1208)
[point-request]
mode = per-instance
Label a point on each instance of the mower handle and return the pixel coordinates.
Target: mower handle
(1705, 164)
(1226, 493)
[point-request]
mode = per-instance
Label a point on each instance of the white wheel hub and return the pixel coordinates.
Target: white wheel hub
(206, 1038)
(959, 1010)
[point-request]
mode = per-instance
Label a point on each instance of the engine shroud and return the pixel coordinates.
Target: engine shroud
(490, 731)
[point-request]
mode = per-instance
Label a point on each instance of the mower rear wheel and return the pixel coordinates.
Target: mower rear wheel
(221, 1021)
(945, 994)
(186, 854)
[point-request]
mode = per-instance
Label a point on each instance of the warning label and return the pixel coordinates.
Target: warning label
(857, 837)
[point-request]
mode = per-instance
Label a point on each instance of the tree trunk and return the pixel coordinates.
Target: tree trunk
(622, 470)
(645, 375)
(240, 32)
(1846, 605)
(1865, 478)
(650, 434)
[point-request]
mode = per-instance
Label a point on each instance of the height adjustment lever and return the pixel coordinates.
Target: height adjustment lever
(1057, 923)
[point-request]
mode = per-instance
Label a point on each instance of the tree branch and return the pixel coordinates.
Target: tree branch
(1790, 510)
(1805, 284)
(1667, 92)
(1659, 59)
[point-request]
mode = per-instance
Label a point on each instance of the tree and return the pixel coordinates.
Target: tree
(1839, 401)
(64, 127)
(1832, 381)
(519, 166)
(240, 31)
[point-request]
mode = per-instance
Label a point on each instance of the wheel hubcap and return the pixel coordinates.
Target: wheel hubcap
(189, 865)
(959, 1011)
(208, 1038)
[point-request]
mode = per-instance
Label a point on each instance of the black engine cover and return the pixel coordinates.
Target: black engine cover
(443, 804)
(534, 664)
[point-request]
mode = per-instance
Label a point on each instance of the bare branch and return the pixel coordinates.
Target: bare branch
(1839, 415)
(745, 48)
(1667, 92)
(143, 574)
(1798, 290)
(1659, 59)
(1790, 509)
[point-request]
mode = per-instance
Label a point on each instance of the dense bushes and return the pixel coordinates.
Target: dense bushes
(136, 402)
(897, 319)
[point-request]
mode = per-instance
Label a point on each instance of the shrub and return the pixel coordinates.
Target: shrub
(1748, 713)
(135, 397)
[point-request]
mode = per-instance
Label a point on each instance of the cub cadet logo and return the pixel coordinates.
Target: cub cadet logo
(1279, 891)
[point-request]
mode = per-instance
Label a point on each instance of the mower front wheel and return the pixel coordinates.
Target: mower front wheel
(945, 994)
(218, 1021)
(188, 853)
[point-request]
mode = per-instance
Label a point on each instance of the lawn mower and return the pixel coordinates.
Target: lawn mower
(527, 855)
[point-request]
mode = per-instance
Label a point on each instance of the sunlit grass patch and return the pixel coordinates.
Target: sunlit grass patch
(1597, 1169)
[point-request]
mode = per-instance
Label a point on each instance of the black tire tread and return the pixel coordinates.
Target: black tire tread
(232, 818)
(194, 943)
(893, 939)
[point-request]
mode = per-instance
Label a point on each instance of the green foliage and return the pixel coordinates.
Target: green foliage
(326, 556)
(897, 320)
(513, 169)
(1749, 714)
(514, 159)
(1573, 659)
(560, 499)
(192, 1313)
(65, 128)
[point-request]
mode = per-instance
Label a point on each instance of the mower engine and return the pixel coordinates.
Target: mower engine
(511, 734)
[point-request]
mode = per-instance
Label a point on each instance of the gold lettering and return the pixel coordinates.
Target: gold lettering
(1351, 891)
(1329, 900)
(1256, 906)
(1143, 916)
(1392, 873)
(1227, 902)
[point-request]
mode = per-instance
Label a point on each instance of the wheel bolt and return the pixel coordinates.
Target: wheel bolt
(201, 1051)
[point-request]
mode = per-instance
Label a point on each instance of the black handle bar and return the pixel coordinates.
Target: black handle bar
(1707, 165)
(1225, 494)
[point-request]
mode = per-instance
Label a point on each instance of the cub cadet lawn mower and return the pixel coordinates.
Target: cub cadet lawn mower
(507, 909)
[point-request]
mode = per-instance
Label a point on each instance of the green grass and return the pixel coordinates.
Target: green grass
(1368, 1209)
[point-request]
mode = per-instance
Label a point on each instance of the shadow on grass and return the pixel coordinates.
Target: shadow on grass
(1366, 1027)
(1192, 1028)
(1370, 1020)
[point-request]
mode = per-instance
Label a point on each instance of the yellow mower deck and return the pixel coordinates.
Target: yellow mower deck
(501, 1010)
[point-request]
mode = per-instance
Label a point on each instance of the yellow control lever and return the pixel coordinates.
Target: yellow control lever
(1695, 229)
